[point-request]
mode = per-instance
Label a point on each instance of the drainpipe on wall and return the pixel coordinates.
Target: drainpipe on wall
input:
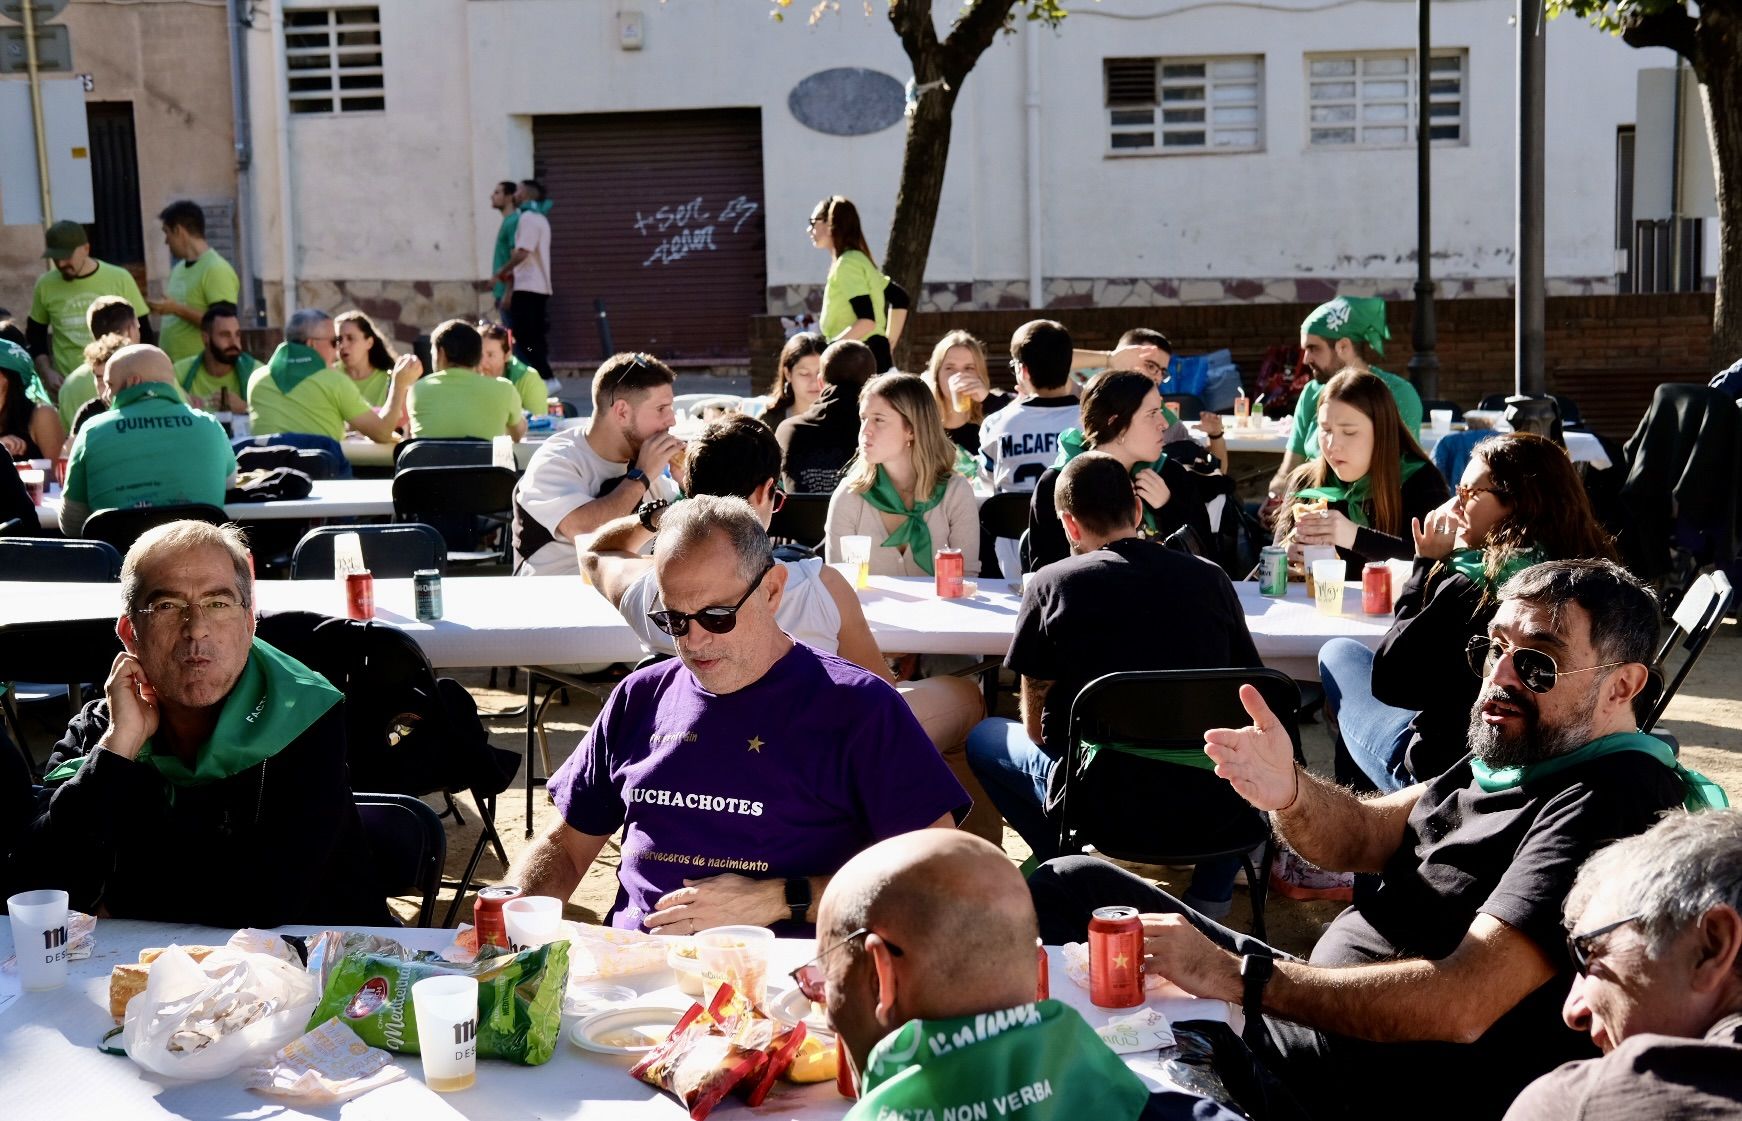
(286, 215)
(1036, 281)
(30, 66)
(240, 21)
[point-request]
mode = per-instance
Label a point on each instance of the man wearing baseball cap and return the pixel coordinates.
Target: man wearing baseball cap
(57, 330)
(1348, 332)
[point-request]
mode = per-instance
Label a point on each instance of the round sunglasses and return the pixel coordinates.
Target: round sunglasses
(714, 620)
(1536, 669)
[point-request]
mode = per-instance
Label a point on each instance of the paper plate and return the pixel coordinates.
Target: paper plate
(625, 1031)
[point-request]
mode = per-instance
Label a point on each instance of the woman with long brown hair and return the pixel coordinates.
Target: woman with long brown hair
(1402, 711)
(500, 361)
(858, 300)
(798, 378)
(364, 355)
(962, 387)
(902, 490)
(1370, 479)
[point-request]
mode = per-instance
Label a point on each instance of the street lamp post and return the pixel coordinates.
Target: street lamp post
(1530, 409)
(1424, 363)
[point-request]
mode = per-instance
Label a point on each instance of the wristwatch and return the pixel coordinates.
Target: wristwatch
(1255, 972)
(637, 475)
(648, 509)
(798, 897)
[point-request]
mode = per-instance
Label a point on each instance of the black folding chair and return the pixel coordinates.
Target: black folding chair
(1185, 539)
(409, 845)
(803, 520)
(389, 551)
(424, 494)
(121, 528)
(566, 408)
(1693, 623)
(442, 453)
(1144, 792)
(73, 652)
(1496, 402)
(15, 527)
(51, 559)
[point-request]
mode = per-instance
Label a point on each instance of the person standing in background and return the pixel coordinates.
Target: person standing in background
(528, 274)
(199, 278)
(502, 201)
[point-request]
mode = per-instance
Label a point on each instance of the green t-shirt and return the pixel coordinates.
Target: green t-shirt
(197, 382)
(149, 449)
(61, 304)
(529, 384)
(206, 280)
(318, 406)
(459, 403)
(851, 275)
(80, 386)
(504, 250)
(1303, 441)
(374, 387)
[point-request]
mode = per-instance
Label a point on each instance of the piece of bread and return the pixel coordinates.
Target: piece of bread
(127, 980)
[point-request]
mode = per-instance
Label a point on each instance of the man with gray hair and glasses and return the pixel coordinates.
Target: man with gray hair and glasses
(302, 392)
(1455, 960)
(744, 772)
(208, 784)
(1655, 935)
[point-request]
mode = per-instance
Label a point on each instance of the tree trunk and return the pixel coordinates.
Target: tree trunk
(916, 200)
(1719, 41)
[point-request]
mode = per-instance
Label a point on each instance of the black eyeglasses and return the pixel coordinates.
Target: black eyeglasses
(714, 620)
(1534, 667)
(1579, 946)
(811, 979)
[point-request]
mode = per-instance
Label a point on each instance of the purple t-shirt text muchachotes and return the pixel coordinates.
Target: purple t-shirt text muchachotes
(790, 776)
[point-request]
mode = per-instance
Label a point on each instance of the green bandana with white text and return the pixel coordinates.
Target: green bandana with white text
(292, 364)
(1039, 1061)
(1361, 318)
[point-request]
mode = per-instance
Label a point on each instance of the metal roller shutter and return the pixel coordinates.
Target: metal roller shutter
(661, 215)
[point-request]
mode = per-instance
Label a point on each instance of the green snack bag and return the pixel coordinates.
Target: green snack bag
(520, 996)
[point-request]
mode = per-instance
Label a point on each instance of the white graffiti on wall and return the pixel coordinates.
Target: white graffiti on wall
(687, 228)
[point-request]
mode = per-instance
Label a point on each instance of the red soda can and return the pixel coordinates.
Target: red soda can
(950, 569)
(1042, 984)
(1115, 958)
(487, 914)
(845, 1084)
(1376, 588)
(360, 595)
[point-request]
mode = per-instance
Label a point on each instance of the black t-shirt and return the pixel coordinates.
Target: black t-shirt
(1046, 533)
(1076, 622)
(1420, 662)
(1511, 854)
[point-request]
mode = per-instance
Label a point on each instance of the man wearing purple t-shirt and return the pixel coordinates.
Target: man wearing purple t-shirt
(745, 773)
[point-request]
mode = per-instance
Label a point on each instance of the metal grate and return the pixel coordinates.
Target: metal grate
(335, 61)
(1185, 104)
(1369, 100)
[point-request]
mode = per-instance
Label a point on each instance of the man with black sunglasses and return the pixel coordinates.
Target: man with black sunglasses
(1437, 993)
(747, 770)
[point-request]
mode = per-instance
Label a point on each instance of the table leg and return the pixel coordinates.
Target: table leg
(531, 730)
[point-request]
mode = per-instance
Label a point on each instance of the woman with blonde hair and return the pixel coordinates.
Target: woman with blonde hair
(859, 302)
(962, 388)
(901, 490)
(364, 355)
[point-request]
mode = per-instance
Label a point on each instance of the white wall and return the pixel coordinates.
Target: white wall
(402, 195)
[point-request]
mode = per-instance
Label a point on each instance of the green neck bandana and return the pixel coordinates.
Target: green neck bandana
(1350, 317)
(1702, 792)
(162, 390)
(994, 1065)
(1073, 443)
(292, 364)
(913, 532)
(1354, 496)
(514, 370)
(276, 699)
(1472, 565)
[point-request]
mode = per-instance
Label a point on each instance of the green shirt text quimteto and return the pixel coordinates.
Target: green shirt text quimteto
(458, 403)
(149, 449)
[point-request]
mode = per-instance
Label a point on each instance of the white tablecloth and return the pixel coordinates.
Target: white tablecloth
(1273, 440)
(48, 1049)
(487, 620)
(330, 498)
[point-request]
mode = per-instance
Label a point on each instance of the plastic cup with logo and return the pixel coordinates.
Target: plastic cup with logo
(736, 956)
(856, 550)
(447, 1031)
(1441, 419)
(39, 937)
(502, 452)
(1328, 585)
(1309, 554)
(532, 921)
(32, 478)
(347, 555)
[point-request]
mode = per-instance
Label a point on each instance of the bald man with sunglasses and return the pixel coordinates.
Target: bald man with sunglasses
(744, 772)
(1438, 993)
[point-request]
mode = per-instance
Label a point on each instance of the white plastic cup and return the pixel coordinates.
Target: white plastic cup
(1328, 578)
(347, 555)
(502, 452)
(39, 937)
(532, 921)
(856, 552)
(1441, 419)
(447, 1031)
(33, 480)
(738, 956)
(1311, 553)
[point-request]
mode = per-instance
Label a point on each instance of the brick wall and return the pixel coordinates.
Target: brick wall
(1606, 352)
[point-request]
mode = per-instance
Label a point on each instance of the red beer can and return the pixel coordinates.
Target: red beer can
(1376, 588)
(1042, 985)
(1115, 958)
(360, 595)
(950, 570)
(487, 915)
(845, 1084)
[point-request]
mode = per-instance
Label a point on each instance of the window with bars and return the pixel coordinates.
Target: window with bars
(334, 59)
(1185, 104)
(1369, 100)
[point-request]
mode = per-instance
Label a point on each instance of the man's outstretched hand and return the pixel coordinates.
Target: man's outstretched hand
(1257, 759)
